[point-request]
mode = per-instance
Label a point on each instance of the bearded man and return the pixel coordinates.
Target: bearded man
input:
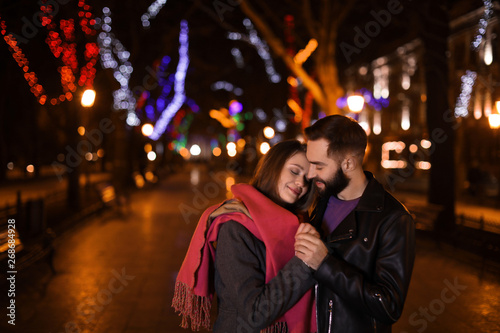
(364, 259)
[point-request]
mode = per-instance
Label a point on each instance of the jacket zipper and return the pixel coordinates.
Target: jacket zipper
(317, 303)
(330, 316)
(385, 309)
(344, 237)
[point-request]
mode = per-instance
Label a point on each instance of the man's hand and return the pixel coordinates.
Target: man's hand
(309, 247)
(306, 228)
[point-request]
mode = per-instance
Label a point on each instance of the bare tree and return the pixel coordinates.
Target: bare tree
(321, 22)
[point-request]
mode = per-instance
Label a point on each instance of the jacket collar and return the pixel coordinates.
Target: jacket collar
(372, 200)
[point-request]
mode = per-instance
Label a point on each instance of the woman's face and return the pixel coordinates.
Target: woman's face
(293, 183)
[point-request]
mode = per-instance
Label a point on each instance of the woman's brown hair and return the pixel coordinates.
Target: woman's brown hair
(268, 173)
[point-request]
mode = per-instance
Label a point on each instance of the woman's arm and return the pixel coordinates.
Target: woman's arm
(240, 264)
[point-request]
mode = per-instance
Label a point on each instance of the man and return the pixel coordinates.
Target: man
(365, 260)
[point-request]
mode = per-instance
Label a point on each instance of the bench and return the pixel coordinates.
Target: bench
(21, 244)
(111, 198)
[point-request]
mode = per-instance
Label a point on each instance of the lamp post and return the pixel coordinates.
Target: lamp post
(87, 101)
(494, 121)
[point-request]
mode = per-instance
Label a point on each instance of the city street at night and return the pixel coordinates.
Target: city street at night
(115, 271)
(376, 122)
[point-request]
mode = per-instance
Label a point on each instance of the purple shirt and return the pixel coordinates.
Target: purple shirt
(336, 211)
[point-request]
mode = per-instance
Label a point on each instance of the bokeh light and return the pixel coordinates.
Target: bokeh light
(264, 147)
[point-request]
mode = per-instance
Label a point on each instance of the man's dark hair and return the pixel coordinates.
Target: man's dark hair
(344, 135)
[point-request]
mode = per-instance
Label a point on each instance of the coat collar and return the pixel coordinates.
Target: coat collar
(372, 200)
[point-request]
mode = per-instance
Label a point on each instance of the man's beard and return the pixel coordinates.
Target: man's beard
(334, 185)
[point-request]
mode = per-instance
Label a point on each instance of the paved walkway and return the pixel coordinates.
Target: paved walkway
(116, 272)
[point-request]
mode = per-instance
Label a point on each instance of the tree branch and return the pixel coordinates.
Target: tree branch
(278, 48)
(309, 20)
(326, 15)
(213, 15)
(277, 21)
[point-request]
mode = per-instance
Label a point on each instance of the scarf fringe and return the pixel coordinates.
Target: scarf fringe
(279, 327)
(191, 306)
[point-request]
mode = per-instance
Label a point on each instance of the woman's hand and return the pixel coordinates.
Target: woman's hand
(309, 247)
(307, 229)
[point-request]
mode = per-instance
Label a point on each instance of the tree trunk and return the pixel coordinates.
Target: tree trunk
(122, 156)
(440, 119)
(328, 76)
(73, 171)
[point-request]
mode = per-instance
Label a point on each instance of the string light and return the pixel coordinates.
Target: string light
(179, 125)
(115, 56)
(260, 45)
(180, 76)
(153, 10)
(238, 57)
(483, 24)
(18, 55)
(65, 49)
(224, 85)
(468, 80)
(462, 105)
(306, 52)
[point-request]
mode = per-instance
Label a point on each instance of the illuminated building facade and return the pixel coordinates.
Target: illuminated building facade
(398, 135)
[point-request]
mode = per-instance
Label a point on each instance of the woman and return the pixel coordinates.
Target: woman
(243, 251)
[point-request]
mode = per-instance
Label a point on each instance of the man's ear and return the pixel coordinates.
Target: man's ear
(349, 163)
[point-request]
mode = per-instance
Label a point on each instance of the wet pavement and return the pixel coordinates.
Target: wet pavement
(116, 272)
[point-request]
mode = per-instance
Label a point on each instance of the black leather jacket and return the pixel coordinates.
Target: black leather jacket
(363, 282)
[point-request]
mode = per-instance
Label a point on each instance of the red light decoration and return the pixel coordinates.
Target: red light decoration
(18, 55)
(62, 45)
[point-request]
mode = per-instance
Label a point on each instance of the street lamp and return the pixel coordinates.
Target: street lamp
(147, 129)
(355, 103)
(88, 98)
(494, 118)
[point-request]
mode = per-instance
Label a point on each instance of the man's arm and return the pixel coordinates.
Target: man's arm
(381, 297)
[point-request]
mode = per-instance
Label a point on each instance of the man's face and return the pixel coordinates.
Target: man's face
(325, 171)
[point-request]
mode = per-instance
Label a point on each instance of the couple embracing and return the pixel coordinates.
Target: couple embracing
(273, 267)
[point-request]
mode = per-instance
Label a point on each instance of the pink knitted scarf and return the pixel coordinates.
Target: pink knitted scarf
(270, 223)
